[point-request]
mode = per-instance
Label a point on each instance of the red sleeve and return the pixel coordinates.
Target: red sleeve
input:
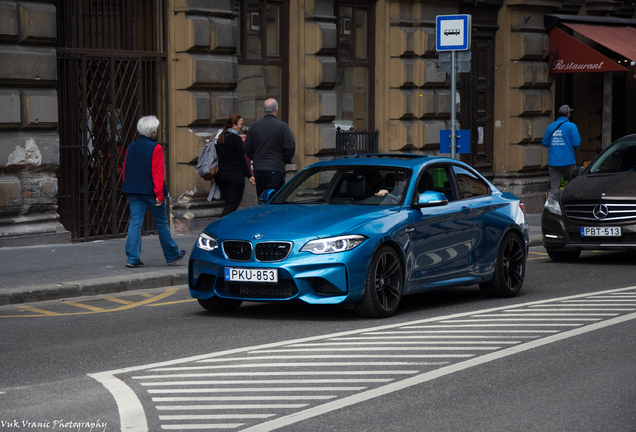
(158, 171)
(123, 169)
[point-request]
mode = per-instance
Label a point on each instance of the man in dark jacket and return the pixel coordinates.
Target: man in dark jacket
(144, 186)
(270, 145)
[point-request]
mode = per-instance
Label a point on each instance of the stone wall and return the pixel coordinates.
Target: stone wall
(204, 74)
(29, 143)
(525, 100)
(419, 98)
(319, 79)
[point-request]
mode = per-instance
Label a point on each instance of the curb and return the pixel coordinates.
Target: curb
(87, 287)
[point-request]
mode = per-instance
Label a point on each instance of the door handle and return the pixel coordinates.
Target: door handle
(465, 210)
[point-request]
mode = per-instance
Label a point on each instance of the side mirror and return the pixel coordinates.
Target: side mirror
(266, 195)
(430, 199)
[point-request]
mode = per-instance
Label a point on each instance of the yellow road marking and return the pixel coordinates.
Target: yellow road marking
(152, 299)
(116, 300)
(42, 312)
(85, 306)
(174, 302)
(145, 294)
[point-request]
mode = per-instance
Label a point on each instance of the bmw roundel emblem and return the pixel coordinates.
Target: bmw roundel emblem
(258, 236)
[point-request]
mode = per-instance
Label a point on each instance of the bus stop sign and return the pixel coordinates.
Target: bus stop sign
(453, 32)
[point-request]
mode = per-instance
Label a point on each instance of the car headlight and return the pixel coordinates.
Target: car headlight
(333, 244)
(206, 243)
(552, 205)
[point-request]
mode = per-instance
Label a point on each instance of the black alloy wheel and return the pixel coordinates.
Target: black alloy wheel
(510, 268)
(384, 285)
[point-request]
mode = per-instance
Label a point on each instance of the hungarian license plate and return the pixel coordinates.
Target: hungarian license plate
(601, 232)
(233, 274)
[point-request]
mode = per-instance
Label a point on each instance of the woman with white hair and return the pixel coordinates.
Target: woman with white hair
(145, 187)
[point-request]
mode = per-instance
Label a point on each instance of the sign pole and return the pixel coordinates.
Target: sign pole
(453, 136)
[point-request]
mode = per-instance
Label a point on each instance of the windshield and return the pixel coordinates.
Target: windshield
(357, 185)
(618, 158)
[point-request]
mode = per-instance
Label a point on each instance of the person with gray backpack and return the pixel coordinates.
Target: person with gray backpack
(561, 138)
(208, 166)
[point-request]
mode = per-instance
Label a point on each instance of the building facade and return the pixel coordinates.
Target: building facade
(77, 74)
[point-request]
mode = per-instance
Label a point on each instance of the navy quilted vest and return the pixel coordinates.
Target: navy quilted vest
(138, 168)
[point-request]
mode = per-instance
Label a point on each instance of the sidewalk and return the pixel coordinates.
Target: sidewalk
(37, 273)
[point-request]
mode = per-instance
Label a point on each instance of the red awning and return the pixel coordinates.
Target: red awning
(620, 39)
(569, 55)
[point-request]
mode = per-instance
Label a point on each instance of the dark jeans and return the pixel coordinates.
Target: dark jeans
(268, 180)
(569, 172)
(232, 188)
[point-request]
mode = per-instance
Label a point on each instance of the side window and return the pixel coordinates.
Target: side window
(470, 186)
(436, 179)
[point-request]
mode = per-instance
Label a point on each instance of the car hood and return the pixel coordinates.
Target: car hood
(282, 221)
(594, 187)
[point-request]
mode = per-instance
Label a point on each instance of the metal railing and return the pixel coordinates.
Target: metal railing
(351, 142)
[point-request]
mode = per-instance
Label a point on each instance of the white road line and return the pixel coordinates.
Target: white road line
(410, 342)
(131, 412)
(286, 373)
(214, 416)
(497, 325)
(239, 398)
(518, 314)
(560, 307)
(228, 407)
(327, 356)
(444, 337)
(307, 381)
(202, 426)
(464, 331)
(601, 301)
(519, 318)
(428, 376)
(308, 364)
(256, 389)
(473, 348)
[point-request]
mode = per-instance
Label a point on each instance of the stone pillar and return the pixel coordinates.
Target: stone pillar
(203, 76)
(319, 79)
(29, 143)
(419, 100)
(525, 101)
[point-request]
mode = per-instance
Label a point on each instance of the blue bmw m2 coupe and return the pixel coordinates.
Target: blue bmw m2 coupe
(365, 231)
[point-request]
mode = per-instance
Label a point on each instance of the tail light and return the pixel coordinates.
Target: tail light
(522, 206)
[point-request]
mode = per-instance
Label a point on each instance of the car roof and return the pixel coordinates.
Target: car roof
(404, 160)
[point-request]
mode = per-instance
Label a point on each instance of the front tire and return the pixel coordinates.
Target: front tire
(383, 290)
(510, 269)
(563, 256)
(217, 304)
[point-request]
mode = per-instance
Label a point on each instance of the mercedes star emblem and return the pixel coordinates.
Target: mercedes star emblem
(600, 211)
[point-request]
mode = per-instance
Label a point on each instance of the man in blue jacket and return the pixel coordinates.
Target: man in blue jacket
(561, 138)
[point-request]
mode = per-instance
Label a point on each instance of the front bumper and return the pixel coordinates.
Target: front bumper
(559, 233)
(315, 279)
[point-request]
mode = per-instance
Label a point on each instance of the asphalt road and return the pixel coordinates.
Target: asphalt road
(569, 365)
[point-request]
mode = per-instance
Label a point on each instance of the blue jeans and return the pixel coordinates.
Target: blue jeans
(268, 180)
(138, 204)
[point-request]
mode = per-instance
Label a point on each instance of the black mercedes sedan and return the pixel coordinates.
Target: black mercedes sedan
(596, 210)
